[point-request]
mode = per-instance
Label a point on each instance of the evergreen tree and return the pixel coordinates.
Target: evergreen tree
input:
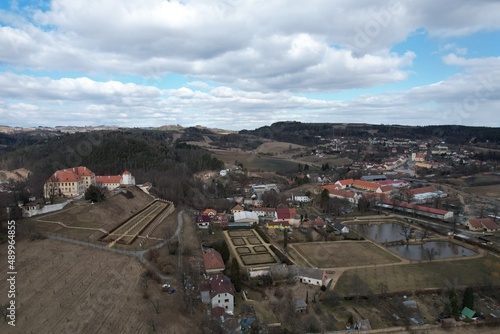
(94, 194)
(285, 239)
(468, 300)
(235, 275)
(454, 310)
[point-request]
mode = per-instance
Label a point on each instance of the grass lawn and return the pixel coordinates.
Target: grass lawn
(435, 274)
(344, 254)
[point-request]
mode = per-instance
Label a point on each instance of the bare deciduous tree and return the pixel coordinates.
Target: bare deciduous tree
(156, 305)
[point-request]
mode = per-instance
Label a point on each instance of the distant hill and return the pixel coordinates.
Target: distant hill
(311, 133)
(149, 154)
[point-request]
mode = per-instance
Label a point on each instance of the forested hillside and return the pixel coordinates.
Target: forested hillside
(309, 133)
(149, 155)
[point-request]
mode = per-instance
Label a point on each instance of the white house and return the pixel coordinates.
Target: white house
(114, 181)
(308, 275)
(221, 292)
(301, 198)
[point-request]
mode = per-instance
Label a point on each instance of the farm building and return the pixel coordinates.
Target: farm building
(246, 217)
(373, 178)
(482, 224)
(424, 194)
(417, 209)
(300, 274)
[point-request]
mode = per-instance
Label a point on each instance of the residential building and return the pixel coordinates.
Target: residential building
(202, 221)
(213, 262)
(482, 224)
(237, 208)
(221, 292)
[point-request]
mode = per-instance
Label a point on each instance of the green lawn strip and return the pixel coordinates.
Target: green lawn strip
(437, 274)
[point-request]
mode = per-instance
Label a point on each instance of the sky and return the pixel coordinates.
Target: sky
(237, 64)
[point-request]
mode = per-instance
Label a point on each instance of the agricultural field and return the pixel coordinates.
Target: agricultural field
(249, 248)
(436, 274)
(65, 288)
(344, 254)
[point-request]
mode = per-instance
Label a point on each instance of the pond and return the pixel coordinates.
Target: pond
(431, 250)
(381, 233)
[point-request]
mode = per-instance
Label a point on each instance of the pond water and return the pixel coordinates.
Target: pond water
(431, 250)
(386, 232)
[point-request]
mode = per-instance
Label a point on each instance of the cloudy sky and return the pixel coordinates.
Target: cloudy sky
(237, 64)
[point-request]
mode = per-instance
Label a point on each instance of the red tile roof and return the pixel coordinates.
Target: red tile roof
(417, 207)
(365, 185)
(220, 284)
(65, 175)
(108, 179)
(487, 223)
(83, 171)
(213, 260)
(283, 213)
(331, 187)
(237, 208)
(416, 191)
(346, 182)
(209, 212)
(343, 193)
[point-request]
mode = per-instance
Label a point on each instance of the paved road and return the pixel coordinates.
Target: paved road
(139, 254)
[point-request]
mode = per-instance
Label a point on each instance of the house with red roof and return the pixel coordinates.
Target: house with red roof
(220, 291)
(237, 208)
(482, 224)
(209, 212)
(114, 181)
(365, 185)
(213, 262)
(345, 183)
(351, 196)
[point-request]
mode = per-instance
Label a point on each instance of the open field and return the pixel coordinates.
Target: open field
(437, 274)
(65, 288)
(344, 254)
(490, 191)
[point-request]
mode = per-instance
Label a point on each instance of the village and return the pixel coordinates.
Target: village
(313, 250)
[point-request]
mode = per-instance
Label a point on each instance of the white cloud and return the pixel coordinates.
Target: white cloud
(257, 55)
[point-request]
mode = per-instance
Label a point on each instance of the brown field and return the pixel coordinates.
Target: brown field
(65, 288)
(436, 274)
(259, 249)
(490, 191)
(238, 241)
(243, 250)
(344, 254)
(280, 148)
(254, 241)
(242, 233)
(261, 258)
